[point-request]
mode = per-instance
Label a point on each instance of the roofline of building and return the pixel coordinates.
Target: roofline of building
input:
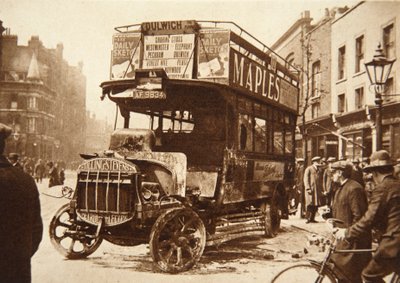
(348, 11)
(322, 22)
(295, 26)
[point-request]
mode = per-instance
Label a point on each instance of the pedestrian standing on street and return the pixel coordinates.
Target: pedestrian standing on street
(383, 214)
(299, 175)
(39, 170)
(54, 178)
(313, 189)
(349, 205)
(14, 160)
(357, 173)
(327, 183)
(21, 225)
(62, 176)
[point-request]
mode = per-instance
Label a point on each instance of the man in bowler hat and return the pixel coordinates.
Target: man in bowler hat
(383, 214)
(21, 225)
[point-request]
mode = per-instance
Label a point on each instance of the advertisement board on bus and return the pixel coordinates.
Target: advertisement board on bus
(213, 54)
(125, 57)
(261, 81)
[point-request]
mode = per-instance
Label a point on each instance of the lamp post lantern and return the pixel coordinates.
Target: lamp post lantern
(378, 70)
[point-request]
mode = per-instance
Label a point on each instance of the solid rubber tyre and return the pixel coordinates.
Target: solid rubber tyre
(177, 240)
(68, 235)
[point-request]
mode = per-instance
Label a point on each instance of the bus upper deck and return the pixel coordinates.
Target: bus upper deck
(145, 56)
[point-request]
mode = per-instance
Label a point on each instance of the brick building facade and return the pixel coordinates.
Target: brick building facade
(339, 108)
(43, 99)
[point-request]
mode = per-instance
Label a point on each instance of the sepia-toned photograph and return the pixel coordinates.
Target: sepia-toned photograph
(199, 141)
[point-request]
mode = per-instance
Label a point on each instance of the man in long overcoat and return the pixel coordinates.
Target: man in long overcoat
(299, 175)
(349, 205)
(312, 189)
(20, 221)
(383, 214)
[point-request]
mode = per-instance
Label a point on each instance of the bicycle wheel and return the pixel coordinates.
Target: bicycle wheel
(302, 273)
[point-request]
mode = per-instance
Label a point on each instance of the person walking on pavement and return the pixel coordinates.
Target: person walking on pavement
(54, 178)
(21, 225)
(312, 189)
(327, 183)
(383, 214)
(349, 205)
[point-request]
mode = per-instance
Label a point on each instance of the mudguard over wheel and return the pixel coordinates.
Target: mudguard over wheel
(272, 219)
(177, 240)
(74, 239)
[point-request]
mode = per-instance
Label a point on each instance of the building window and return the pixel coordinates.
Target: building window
(315, 110)
(31, 125)
(341, 62)
(389, 91)
(316, 79)
(14, 101)
(359, 98)
(32, 102)
(389, 41)
(352, 145)
(359, 53)
(341, 103)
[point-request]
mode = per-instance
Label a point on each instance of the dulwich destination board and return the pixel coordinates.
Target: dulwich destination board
(173, 53)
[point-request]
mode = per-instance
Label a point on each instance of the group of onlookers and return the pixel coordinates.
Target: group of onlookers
(40, 168)
(366, 197)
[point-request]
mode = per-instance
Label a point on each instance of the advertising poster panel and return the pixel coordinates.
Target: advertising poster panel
(261, 81)
(125, 45)
(173, 53)
(213, 55)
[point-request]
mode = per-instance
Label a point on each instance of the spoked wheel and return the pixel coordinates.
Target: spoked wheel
(73, 239)
(272, 218)
(177, 240)
(303, 273)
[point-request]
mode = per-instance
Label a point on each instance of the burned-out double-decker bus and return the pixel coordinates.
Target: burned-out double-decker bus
(206, 151)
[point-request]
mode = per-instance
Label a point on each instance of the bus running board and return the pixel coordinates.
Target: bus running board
(233, 226)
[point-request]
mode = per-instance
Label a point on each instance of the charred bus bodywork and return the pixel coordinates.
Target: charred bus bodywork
(206, 152)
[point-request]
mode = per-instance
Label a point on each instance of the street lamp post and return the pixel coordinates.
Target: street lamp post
(378, 70)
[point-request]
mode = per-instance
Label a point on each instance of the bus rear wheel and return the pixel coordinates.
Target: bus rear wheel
(177, 240)
(272, 218)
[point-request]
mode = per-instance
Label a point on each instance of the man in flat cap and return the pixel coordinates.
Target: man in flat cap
(349, 205)
(20, 221)
(313, 189)
(383, 214)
